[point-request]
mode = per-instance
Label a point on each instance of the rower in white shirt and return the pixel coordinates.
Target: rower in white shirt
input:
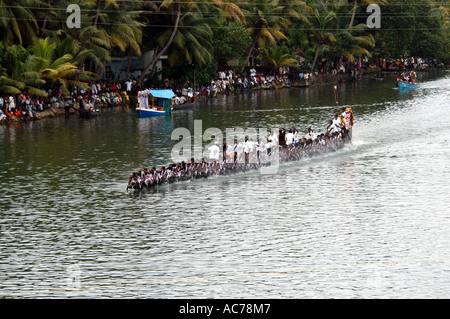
(337, 122)
(214, 152)
(331, 127)
(289, 138)
(247, 147)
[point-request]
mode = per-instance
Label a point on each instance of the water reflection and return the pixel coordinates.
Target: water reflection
(368, 221)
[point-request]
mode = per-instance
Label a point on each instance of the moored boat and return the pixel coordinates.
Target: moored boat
(88, 113)
(150, 112)
(154, 103)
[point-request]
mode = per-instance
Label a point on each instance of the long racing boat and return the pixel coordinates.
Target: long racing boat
(262, 159)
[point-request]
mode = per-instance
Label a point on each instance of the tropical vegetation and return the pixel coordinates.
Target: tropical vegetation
(40, 52)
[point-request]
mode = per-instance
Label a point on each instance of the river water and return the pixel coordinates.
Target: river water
(369, 221)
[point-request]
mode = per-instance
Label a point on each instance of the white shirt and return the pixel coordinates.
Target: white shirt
(12, 103)
(332, 128)
(248, 146)
(144, 99)
(289, 138)
(214, 152)
(337, 122)
(128, 84)
(259, 146)
(274, 138)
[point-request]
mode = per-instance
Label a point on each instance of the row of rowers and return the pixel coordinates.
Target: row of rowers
(291, 142)
(245, 155)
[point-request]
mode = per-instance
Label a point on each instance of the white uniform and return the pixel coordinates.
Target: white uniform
(248, 146)
(337, 123)
(128, 84)
(214, 152)
(289, 138)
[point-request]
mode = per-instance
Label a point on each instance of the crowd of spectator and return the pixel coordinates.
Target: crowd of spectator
(229, 80)
(17, 107)
(102, 93)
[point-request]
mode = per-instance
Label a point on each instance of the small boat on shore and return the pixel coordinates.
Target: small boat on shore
(86, 114)
(154, 103)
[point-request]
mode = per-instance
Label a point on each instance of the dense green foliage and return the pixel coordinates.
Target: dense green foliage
(39, 51)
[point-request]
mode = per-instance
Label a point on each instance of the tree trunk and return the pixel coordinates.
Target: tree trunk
(353, 14)
(97, 12)
(249, 54)
(156, 57)
(316, 55)
(100, 69)
(44, 24)
(129, 64)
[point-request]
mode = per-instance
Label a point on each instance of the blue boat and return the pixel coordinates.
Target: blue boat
(154, 103)
(407, 85)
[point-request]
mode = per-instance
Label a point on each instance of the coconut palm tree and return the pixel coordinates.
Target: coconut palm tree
(295, 10)
(8, 85)
(265, 21)
(120, 21)
(186, 9)
(276, 58)
(228, 10)
(192, 41)
(350, 46)
(322, 21)
(175, 7)
(17, 21)
(105, 26)
(24, 79)
(57, 71)
(42, 66)
(350, 42)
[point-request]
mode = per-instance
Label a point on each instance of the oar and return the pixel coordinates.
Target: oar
(336, 97)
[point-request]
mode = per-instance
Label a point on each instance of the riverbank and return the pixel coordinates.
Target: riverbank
(316, 80)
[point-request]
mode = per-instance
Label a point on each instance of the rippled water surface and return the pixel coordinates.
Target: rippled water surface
(369, 221)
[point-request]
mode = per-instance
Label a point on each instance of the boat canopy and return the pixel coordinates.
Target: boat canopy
(162, 94)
